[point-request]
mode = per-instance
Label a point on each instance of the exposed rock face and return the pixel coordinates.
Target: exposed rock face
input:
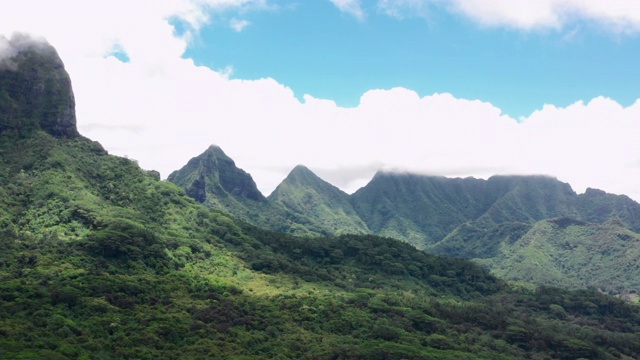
(233, 179)
(214, 173)
(35, 89)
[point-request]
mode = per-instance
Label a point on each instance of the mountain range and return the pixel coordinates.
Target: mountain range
(102, 260)
(524, 228)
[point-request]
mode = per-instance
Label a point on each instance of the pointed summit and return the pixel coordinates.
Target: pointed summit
(212, 177)
(323, 206)
(35, 89)
(216, 150)
(301, 170)
(301, 175)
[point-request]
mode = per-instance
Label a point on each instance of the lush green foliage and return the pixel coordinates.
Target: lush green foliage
(303, 204)
(35, 93)
(102, 260)
(316, 205)
(488, 221)
(568, 253)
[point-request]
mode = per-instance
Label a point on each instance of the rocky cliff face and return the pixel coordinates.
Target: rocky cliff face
(35, 89)
(214, 173)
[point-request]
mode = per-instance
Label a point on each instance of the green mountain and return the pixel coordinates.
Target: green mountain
(39, 95)
(418, 209)
(424, 210)
(213, 179)
(605, 257)
(102, 260)
(498, 223)
(316, 204)
(559, 252)
(302, 205)
(599, 207)
(482, 220)
(527, 199)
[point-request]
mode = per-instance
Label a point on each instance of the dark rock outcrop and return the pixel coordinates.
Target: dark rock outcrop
(35, 89)
(214, 173)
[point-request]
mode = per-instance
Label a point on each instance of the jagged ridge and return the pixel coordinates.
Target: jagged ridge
(483, 220)
(101, 259)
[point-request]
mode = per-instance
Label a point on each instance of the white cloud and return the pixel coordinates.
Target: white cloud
(161, 110)
(619, 16)
(515, 13)
(406, 8)
(238, 25)
(352, 7)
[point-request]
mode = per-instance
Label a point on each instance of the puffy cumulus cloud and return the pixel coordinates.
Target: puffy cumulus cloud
(91, 28)
(162, 109)
(80, 29)
(352, 7)
(616, 15)
(619, 15)
(524, 14)
(589, 145)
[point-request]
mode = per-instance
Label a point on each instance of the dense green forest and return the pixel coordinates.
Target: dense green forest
(533, 229)
(102, 260)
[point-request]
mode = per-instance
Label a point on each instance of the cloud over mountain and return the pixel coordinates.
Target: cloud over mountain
(617, 16)
(178, 108)
(10, 47)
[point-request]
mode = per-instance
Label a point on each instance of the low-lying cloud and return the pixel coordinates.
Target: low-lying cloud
(178, 109)
(18, 42)
(619, 16)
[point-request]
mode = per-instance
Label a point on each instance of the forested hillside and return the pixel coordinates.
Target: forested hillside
(303, 204)
(102, 260)
(491, 222)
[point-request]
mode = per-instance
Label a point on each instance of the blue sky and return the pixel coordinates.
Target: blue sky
(350, 87)
(314, 48)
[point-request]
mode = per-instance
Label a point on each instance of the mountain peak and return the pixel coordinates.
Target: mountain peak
(214, 149)
(215, 172)
(320, 205)
(300, 168)
(36, 87)
(303, 179)
(301, 173)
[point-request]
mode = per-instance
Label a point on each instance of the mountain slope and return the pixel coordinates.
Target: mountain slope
(35, 91)
(564, 252)
(103, 260)
(597, 206)
(418, 209)
(319, 205)
(212, 178)
(527, 199)
(302, 205)
(470, 218)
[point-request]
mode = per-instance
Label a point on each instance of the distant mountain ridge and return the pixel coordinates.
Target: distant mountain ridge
(427, 207)
(482, 220)
(303, 204)
(101, 259)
